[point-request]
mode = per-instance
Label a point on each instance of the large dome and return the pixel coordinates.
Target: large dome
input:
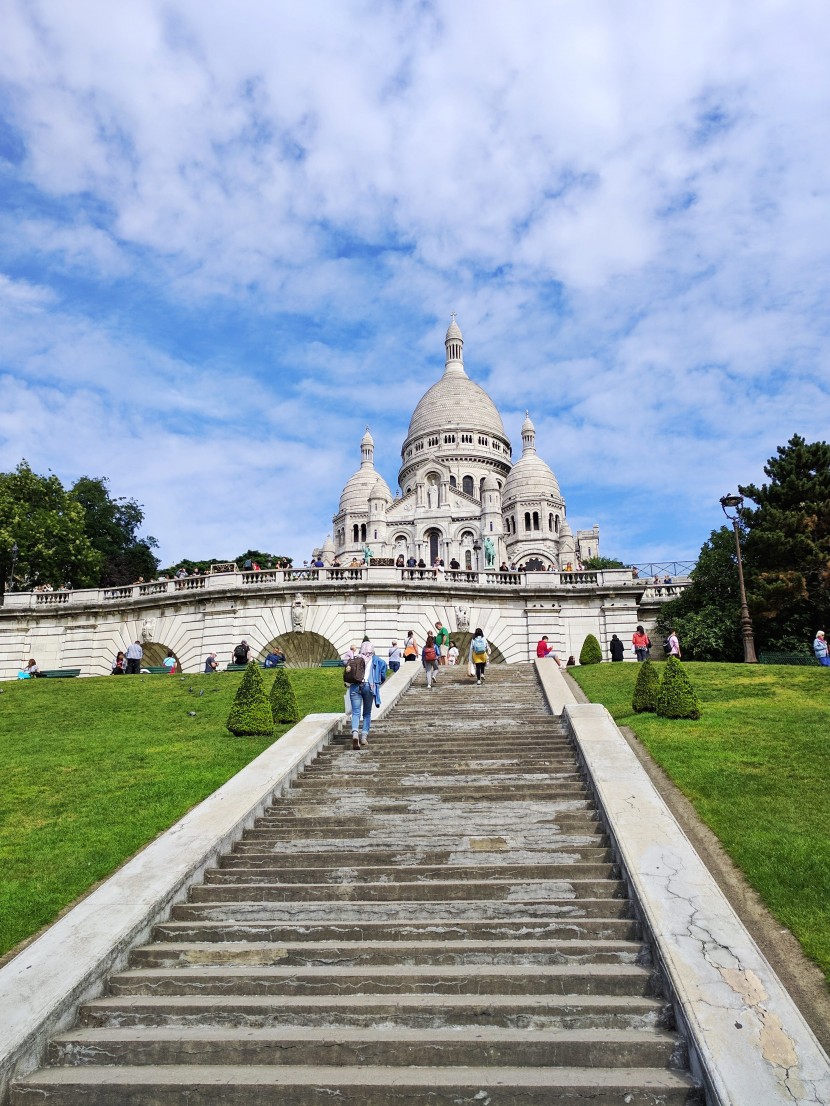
(455, 400)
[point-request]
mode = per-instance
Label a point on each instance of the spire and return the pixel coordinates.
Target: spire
(454, 345)
(367, 451)
(528, 436)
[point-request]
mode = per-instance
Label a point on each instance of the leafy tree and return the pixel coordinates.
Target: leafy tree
(112, 528)
(646, 688)
(283, 700)
(596, 563)
(707, 614)
(264, 560)
(591, 652)
(48, 526)
(787, 550)
(676, 697)
(250, 714)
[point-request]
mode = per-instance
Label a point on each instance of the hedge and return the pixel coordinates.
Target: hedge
(250, 714)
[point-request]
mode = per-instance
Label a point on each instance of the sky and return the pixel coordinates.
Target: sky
(232, 235)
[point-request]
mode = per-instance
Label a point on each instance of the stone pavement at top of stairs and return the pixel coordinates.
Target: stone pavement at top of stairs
(433, 919)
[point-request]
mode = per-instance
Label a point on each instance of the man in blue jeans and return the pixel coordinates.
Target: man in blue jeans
(365, 692)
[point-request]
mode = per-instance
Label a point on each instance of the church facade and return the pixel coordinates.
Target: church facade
(461, 498)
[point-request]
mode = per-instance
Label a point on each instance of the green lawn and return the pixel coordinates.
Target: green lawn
(93, 769)
(755, 766)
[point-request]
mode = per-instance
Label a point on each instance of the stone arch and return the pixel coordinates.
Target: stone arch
(154, 654)
(463, 639)
(303, 649)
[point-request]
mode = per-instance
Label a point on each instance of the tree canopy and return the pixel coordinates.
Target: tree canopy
(82, 537)
(785, 549)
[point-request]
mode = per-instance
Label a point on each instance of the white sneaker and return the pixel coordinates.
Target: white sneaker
(364, 740)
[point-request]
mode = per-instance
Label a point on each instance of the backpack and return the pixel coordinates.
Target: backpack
(240, 654)
(355, 670)
(667, 647)
(429, 653)
(480, 645)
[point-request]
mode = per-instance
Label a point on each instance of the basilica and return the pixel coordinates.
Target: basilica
(461, 498)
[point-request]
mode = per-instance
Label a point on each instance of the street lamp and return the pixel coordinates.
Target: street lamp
(734, 502)
(477, 550)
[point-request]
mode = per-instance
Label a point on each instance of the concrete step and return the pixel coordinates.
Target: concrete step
(393, 1046)
(444, 890)
(261, 1085)
(433, 930)
(277, 871)
(482, 980)
(167, 954)
(402, 910)
(485, 852)
(368, 1011)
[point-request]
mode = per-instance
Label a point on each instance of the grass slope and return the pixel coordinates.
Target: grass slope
(93, 769)
(755, 767)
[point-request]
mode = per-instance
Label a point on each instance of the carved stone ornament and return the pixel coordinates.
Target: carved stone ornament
(148, 629)
(462, 618)
(298, 613)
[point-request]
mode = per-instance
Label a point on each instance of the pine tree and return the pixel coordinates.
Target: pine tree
(787, 549)
(646, 688)
(250, 714)
(676, 697)
(283, 700)
(591, 652)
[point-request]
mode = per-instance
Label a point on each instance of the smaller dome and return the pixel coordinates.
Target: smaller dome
(527, 425)
(490, 484)
(454, 330)
(380, 490)
(328, 544)
(367, 438)
(530, 478)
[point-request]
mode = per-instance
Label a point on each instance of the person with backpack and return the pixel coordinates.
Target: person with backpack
(363, 674)
(410, 647)
(479, 652)
(429, 659)
(240, 652)
(641, 642)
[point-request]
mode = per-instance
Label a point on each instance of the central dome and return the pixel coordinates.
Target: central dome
(455, 400)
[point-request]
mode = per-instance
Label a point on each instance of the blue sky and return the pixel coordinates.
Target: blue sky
(231, 235)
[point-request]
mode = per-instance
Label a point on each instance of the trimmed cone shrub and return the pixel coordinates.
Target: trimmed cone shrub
(283, 700)
(250, 714)
(646, 688)
(591, 652)
(676, 697)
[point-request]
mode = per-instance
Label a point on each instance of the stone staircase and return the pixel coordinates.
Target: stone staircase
(434, 919)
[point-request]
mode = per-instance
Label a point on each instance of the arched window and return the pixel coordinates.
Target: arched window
(453, 482)
(527, 520)
(467, 485)
(535, 520)
(481, 489)
(550, 522)
(556, 524)
(363, 531)
(355, 532)
(468, 560)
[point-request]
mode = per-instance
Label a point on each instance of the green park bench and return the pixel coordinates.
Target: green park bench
(154, 669)
(787, 658)
(61, 673)
(332, 664)
(241, 667)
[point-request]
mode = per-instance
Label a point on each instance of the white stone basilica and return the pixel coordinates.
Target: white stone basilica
(461, 498)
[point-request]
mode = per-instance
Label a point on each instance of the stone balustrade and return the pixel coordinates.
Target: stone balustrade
(346, 577)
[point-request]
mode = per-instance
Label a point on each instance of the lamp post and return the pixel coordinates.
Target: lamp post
(477, 551)
(15, 551)
(734, 502)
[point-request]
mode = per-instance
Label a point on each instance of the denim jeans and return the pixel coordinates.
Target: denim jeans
(361, 694)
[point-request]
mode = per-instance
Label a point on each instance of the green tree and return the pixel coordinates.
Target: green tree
(112, 527)
(676, 697)
(707, 613)
(250, 714)
(594, 564)
(591, 652)
(48, 526)
(787, 551)
(283, 700)
(646, 688)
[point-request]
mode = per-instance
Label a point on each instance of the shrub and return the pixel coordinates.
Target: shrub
(283, 699)
(591, 651)
(250, 714)
(676, 697)
(646, 689)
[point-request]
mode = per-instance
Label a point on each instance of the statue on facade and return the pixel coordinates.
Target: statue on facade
(148, 629)
(298, 612)
(489, 553)
(368, 554)
(462, 618)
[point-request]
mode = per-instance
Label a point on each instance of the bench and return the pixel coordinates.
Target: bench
(241, 667)
(332, 664)
(155, 669)
(60, 673)
(787, 658)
